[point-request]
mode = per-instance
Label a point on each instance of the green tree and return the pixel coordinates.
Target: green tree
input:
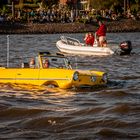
(69, 4)
(102, 4)
(50, 3)
(135, 6)
(2, 3)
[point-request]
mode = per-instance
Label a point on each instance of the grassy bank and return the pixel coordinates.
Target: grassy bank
(49, 28)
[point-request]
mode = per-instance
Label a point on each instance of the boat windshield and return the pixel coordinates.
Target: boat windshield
(70, 41)
(56, 62)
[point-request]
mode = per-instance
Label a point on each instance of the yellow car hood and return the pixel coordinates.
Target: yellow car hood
(90, 72)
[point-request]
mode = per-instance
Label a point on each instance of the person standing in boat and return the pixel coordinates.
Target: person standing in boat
(101, 33)
(89, 39)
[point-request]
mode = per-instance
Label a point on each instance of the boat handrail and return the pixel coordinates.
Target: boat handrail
(69, 40)
(95, 41)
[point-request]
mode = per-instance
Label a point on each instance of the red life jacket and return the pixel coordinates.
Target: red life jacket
(102, 30)
(90, 40)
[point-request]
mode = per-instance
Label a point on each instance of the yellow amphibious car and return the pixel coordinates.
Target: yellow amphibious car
(57, 72)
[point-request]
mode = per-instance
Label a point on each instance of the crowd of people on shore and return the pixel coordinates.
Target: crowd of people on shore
(61, 16)
(59, 20)
(40, 16)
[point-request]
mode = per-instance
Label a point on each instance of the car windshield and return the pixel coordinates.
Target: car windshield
(57, 62)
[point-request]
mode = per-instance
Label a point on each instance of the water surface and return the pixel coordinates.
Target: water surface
(107, 113)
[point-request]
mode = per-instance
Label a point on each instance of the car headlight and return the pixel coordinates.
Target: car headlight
(105, 78)
(93, 78)
(75, 76)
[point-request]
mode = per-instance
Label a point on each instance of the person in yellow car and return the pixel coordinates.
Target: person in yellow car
(46, 63)
(32, 63)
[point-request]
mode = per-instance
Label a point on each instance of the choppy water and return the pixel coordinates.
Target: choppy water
(108, 113)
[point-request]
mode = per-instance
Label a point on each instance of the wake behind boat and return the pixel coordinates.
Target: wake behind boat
(74, 46)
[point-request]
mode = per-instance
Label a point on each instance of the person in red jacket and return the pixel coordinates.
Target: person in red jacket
(101, 33)
(89, 39)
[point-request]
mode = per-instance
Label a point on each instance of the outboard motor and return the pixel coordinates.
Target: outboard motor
(125, 47)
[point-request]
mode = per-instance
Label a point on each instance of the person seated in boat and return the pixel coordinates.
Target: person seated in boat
(89, 39)
(101, 34)
(46, 63)
(32, 63)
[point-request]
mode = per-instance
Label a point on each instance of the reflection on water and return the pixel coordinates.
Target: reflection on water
(110, 112)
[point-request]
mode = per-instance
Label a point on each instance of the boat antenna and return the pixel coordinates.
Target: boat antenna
(76, 62)
(7, 51)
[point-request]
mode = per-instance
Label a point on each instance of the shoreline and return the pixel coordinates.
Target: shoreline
(124, 25)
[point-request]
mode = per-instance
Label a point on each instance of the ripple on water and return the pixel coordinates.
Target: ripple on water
(104, 113)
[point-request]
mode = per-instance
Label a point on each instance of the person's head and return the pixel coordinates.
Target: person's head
(90, 34)
(100, 22)
(32, 61)
(46, 63)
